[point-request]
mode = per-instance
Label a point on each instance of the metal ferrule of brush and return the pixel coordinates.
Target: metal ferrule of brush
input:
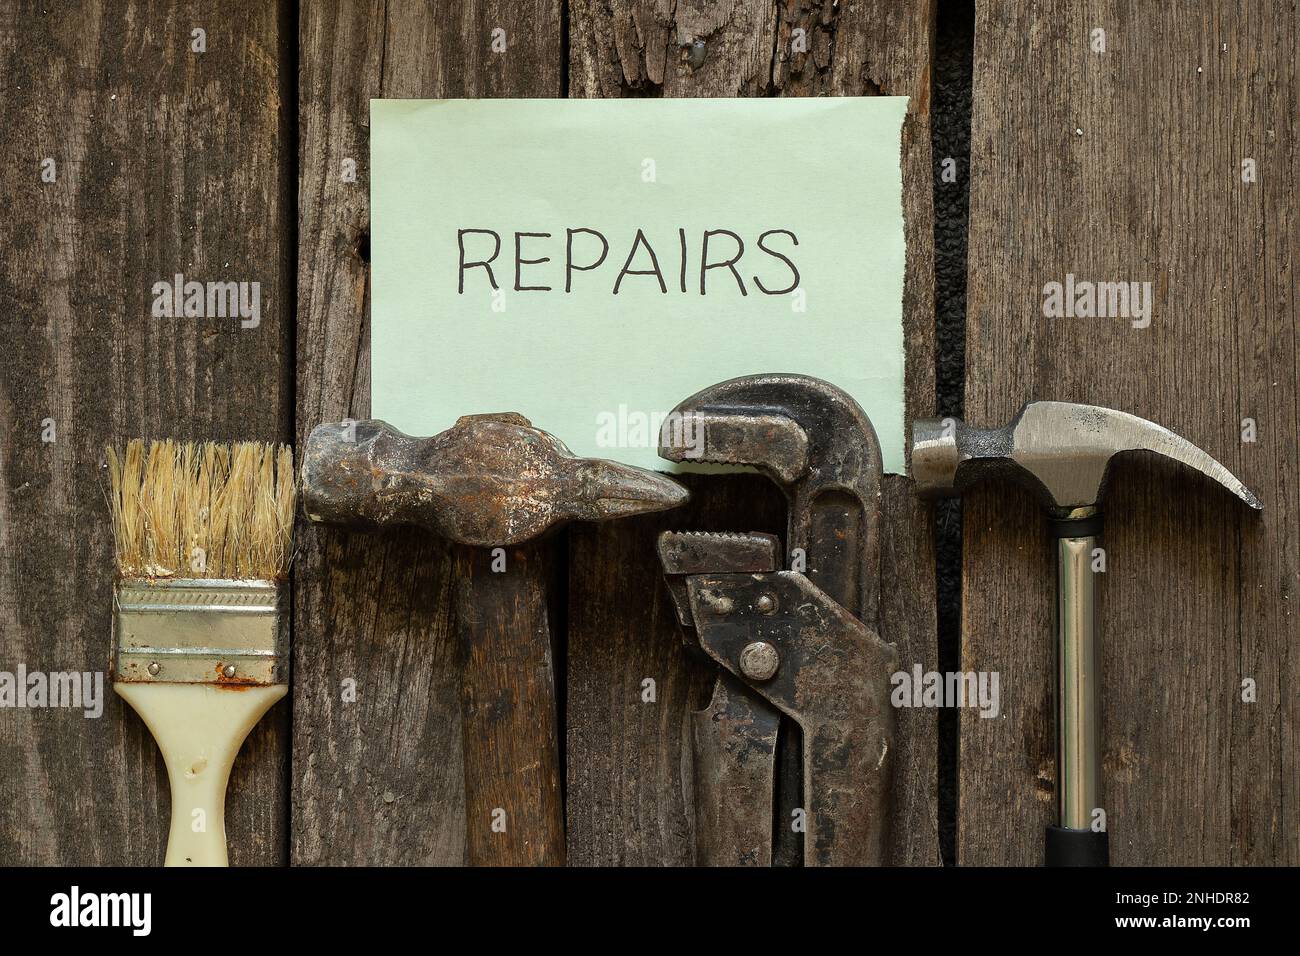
(201, 631)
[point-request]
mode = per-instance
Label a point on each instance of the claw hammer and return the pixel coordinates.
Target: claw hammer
(492, 484)
(1062, 451)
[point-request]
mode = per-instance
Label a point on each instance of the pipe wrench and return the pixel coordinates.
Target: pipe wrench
(791, 757)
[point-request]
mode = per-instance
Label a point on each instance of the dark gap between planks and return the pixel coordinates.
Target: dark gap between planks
(950, 123)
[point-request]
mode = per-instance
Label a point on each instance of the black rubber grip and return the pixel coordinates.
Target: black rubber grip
(1075, 527)
(1065, 847)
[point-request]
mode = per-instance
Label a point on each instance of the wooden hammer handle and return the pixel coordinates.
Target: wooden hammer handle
(514, 811)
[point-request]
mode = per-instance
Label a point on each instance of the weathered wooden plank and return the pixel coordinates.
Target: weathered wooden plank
(627, 799)
(378, 779)
(1127, 165)
(166, 161)
(510, 739)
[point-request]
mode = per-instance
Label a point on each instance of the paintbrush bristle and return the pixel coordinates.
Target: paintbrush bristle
(202, 509)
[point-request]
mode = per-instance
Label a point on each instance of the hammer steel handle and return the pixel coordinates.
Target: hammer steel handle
(514, 810)
(1078, 727)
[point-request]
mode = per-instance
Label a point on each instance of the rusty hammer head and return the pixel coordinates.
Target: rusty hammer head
(1060, 450)
(489, 480)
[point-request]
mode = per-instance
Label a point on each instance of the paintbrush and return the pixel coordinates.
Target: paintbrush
(204, 535)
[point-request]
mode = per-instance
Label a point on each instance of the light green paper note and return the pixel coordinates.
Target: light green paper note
(595, 368)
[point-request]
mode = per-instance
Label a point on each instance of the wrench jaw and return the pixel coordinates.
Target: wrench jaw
(818, 445)
(775, 444)
(811, 645)
(683, 553)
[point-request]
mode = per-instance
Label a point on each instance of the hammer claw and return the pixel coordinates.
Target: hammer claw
(1061, 450)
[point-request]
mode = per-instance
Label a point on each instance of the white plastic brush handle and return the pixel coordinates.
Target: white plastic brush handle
(199, 729)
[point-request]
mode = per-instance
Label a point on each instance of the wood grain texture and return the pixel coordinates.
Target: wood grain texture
(514, 809)
(378, 780)
(627, 799)
(1127, 166)
(166, 162)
